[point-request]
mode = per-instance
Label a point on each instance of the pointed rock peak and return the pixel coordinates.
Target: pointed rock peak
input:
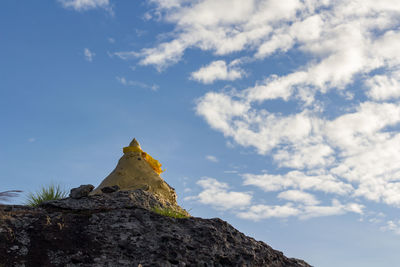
(138, 170)
(135, 143)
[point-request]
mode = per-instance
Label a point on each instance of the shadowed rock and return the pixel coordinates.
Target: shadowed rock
(81, 191)
(119, 229)
(110, 189)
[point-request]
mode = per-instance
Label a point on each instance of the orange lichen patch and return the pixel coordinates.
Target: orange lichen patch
(131, 149)
(155, 164)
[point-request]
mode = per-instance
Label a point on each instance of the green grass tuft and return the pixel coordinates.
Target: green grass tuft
(169, 212)
(51, 192)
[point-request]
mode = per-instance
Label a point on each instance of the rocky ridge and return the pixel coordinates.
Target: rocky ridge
(120, 229)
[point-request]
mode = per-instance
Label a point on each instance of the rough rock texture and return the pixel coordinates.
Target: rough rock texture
(119, 229)
(110, 189)
(134, 172)
(82, 191)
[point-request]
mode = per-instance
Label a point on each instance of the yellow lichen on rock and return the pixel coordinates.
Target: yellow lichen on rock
(154, 164)
(138, 170)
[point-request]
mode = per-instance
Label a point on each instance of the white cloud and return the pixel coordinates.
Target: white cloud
(350, 51)
(335, 209)
(124, 81)
(298, 196)
(212, 158)
(258, 212)
(219, 110)
(384, 87)
(324, 182)
(31, 139)
(393, 226)
(83, 5)
(217, 70)
(216, 194)
(89, 55)
(301, 204)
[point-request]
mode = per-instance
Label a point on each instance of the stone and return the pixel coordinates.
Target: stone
(81, 191)
(110, 189)
(120, 229)
(133, 172)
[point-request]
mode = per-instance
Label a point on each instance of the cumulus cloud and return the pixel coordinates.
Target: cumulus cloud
(350, 49)
(335, 209)
(217, 194)
(300, 204)
(258, 212)
(298, 196)
(323, 182)
(384, 86)
(217, 70)
(83, 5)
(89, 55)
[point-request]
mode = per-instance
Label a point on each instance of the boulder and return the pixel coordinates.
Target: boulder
(81, 191)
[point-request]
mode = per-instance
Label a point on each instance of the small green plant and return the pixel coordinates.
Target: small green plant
(170, 212)
(51, 192)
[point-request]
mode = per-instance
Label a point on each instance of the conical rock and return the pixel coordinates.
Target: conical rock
(134, 172)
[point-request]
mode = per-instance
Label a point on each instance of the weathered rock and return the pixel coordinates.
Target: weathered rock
(110, 189)
(81, 191)
(138, 170)
(119, 229)
(134, 172)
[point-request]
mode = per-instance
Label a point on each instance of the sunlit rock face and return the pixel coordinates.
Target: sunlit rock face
(138, 170)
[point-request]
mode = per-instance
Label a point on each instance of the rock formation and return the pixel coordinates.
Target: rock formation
(138, 170)
(123, 222)
(120, 229)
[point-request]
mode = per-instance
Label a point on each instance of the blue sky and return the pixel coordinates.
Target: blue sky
(281, 117)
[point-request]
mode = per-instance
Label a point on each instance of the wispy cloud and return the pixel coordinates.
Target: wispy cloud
(83, 5)
(126, 82)
(393, 226)
(230, 171)
(211, 158)
(89, 55)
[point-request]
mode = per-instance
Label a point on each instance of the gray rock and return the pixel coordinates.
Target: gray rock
(81, 191)
(119, 229)
(110, 189)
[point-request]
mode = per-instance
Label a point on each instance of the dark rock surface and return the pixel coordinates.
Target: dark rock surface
(110, 189)
(82, 191)
(119, 229)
